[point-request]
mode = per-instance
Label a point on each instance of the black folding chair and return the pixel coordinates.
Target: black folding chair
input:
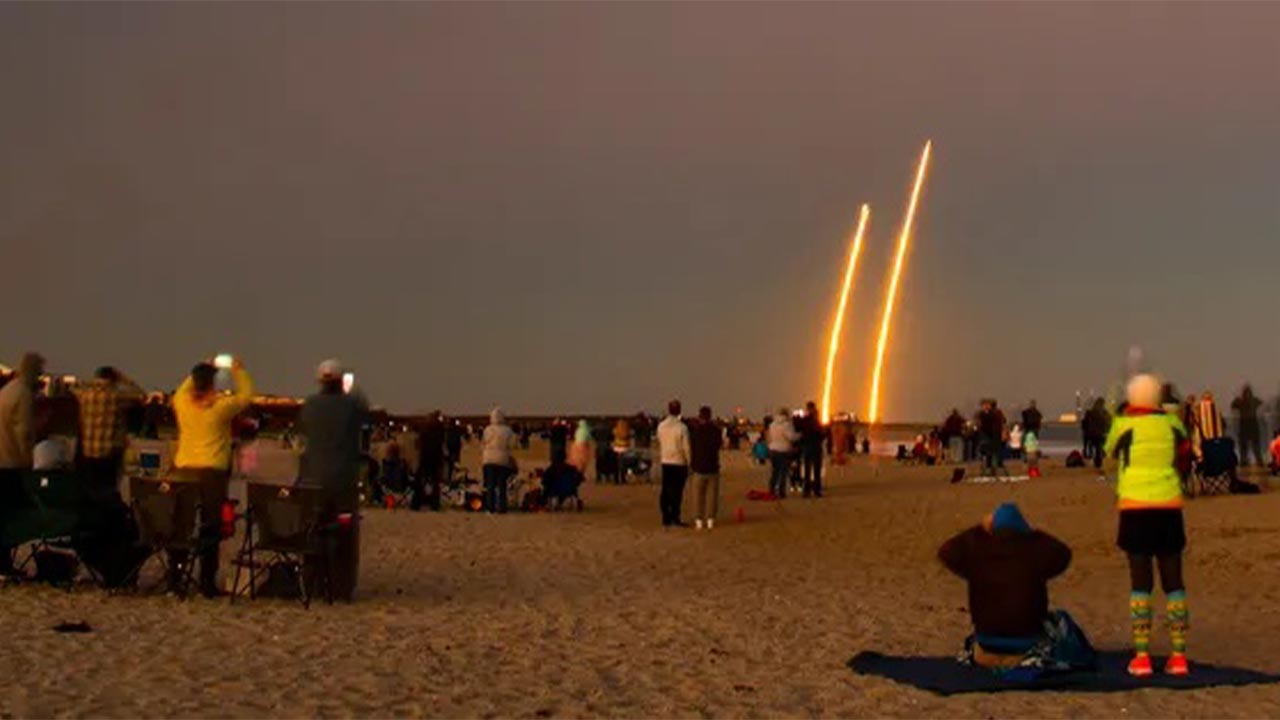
(168, 516)
(57, 517)
(285, 531)
(1215, 472)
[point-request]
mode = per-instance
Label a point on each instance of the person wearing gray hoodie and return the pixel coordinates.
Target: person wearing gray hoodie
(497, 446)
(17, 438)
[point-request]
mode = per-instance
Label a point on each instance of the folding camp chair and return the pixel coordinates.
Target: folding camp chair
(168, 516)
(1215, 471)
(57, 517)
(285, 525)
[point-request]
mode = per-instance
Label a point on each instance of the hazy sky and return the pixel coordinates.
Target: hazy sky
(594, 207)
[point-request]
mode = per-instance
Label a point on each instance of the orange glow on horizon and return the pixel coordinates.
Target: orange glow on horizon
(891, 295)
(834, 348)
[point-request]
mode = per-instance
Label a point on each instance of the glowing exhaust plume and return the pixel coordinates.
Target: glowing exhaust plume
(854, 251)
(891, 296)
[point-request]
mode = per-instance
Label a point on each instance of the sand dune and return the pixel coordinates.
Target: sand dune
(605, 613)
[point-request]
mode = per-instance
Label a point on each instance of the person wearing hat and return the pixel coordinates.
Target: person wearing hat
(1008, 566)
(204, 456)
(1147, 442)
(330, 424)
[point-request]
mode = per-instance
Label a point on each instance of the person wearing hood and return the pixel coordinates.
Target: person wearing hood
(580, 449)
(497, 448)
(675, 451)
(1008, 566)
(17, 437)
(1250, 430)
(1147, 443)
(330, 424)
(781, 438)
(203, 457)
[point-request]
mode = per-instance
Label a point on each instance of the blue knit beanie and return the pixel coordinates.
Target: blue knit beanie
(1009, 517)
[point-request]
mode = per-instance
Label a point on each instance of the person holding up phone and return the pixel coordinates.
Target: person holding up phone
(204, 456)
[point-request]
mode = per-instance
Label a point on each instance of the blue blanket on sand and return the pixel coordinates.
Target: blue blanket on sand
(945, 676)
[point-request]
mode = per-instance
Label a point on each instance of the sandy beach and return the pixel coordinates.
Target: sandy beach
(604, 613)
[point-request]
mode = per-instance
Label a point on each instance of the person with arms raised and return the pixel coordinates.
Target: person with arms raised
(330, 424)
(1147, 442)
(204, 456)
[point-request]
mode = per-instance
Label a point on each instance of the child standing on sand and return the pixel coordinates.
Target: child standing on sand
(1031, 445)
(1146, 440)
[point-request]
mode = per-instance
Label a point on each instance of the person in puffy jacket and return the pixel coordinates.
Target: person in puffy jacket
(497, 445)
(1147, 441)
(781, 438)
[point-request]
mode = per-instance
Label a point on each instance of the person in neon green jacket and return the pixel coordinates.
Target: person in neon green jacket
(1145, 441)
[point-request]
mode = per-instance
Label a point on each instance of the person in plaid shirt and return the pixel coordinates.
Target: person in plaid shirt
(102, 425)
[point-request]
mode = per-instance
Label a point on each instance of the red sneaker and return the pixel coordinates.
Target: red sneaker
(1177, 665)
(1140, 665)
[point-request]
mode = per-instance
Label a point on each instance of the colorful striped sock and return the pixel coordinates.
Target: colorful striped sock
(1140, 616)
(1179, 620)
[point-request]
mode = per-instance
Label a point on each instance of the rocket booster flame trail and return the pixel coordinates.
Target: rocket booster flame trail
(891, 296)
(834, 348)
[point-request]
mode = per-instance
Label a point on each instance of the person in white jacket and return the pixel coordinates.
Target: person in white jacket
(782, 438)
(497, 445)
(675, 451)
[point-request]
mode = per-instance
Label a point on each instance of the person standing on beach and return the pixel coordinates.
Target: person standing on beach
(705, 466)
(675, 452)
(17, 438)
(430, 462)
(812, 436)
(1097, 423)
(1147, 441)
(781, 437)
(559, 441)
(991, 435)
(102, 427)
(203, 457)
(497, 447)
(1250, 430)
(452, 446)
(580, 450)
(1208, 421)
(330, 424)
(1032, 419)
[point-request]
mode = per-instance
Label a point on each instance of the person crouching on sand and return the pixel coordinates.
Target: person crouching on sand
(1008, 565)
(1146, 441)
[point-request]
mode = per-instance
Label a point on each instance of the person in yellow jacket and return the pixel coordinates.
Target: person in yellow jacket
(1146, 442)
(204, 457)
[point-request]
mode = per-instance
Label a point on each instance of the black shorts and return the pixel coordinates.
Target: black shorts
(1151, 532)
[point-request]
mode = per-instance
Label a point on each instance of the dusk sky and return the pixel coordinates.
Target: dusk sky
(570, 207)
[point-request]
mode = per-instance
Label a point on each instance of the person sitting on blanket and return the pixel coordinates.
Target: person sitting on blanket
(1008, 566)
